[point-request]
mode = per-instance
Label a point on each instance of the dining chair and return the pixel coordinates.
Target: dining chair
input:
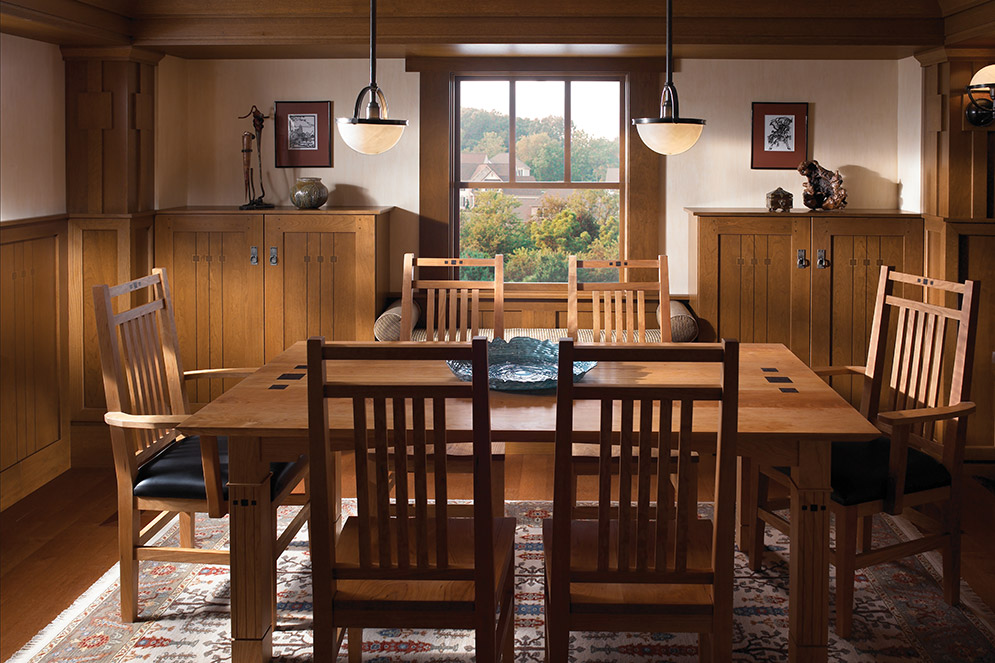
(403, 562)
(452, 314)
(452, 308)
(157, 468)
(619, 315)
(653, 563)
(618, 308)
(918, 460)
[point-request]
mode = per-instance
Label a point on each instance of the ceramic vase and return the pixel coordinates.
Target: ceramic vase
(309, 193)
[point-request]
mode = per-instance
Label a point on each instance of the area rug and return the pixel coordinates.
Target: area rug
(899, 614)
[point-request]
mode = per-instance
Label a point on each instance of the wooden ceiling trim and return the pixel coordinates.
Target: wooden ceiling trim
(973, 22)
(65, 18)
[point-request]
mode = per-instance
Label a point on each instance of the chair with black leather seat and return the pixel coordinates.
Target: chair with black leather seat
(157, 468)
(917, 464)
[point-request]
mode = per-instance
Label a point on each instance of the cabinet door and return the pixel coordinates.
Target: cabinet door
(323, 280)
(217, 292)
(750, 285)
(844, 287)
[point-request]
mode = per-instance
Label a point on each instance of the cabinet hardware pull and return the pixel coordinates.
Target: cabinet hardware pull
(802, 261)
(253, 255)
(821, 262)
(272, 256)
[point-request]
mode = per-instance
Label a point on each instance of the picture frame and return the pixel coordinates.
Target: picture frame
(780, 135)
(303, 134)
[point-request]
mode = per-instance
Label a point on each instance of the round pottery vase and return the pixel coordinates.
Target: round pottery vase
(308, 193)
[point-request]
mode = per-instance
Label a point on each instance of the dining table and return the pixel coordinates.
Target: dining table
(788, 416)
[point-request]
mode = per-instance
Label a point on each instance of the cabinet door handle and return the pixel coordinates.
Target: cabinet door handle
(272, 256)
(253, 255)
(821, 262)
(802, 260)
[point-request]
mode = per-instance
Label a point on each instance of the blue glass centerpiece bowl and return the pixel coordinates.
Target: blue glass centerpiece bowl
(521, 364)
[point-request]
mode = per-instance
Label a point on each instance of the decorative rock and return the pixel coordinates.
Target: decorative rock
(309, 193)
(824, 189)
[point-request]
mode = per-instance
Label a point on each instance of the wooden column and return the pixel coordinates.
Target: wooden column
(110, 199)
(958, 201)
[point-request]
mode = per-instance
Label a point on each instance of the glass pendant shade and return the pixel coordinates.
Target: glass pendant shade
(985, 77)
(370, 136)
(669, 135)
(980, 107)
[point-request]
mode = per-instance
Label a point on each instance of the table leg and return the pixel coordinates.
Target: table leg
(808, 568)
(253, 566)
(746, 506)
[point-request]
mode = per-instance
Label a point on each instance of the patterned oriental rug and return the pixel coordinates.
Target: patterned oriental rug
(899, 614)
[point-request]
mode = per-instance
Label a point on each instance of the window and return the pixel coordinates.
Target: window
(539, 172)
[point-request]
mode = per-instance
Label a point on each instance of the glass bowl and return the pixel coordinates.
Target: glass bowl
(520, 364)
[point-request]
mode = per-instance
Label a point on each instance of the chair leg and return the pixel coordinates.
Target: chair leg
(129, 524)
(845, 561)
(355, 645)
(753, 497)
(187, 536)
(497, 486)
(865, 532)
(706, 648)
(951, 553)
(508, 608)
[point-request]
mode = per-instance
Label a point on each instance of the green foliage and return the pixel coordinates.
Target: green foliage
(584, 224)
(591, 157)
(491, 143)
(475, 122)
(543, 154)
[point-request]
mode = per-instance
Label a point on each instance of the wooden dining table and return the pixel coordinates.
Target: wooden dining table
(787, 417)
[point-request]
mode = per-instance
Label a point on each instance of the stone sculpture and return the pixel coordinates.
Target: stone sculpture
(824, 189)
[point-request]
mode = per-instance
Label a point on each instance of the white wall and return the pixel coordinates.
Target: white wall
(199, 160)
(910, 135)
(32, 129)
(853, 127)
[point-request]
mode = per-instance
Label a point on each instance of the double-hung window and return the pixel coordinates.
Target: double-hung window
(539, 164)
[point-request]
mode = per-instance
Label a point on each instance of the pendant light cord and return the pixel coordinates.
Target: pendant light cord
(668, 98)
(373, 44)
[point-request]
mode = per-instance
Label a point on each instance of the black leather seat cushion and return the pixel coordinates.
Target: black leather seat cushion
(860, 471)
(178, 473)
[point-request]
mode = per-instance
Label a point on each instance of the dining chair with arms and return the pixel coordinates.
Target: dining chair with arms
(918, 460)
(158, 469)
(619, 312)
(452, 314)
(452, 308)
(403, 562)
(651, 564)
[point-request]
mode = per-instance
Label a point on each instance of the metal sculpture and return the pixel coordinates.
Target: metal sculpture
(250, 189)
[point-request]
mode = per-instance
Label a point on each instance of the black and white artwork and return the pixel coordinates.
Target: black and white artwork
(779, 133)
(302, 131)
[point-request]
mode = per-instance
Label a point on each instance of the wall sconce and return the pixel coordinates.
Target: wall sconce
(669, 133)
(374, 133)
(981, 109)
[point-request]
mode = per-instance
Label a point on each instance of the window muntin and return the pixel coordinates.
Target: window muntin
(563, 194)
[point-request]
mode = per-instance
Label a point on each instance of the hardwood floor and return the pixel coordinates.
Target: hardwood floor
(59, 540)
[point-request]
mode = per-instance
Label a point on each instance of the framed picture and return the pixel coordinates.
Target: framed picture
(303, 131)
(780, 135)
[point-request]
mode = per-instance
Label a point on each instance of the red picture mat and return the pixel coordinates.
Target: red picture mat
(320, 157)
(767, 159)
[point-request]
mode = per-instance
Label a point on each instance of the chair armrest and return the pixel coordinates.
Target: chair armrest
(926, 414)
(149, 421)
(219, 373)
(828, 371)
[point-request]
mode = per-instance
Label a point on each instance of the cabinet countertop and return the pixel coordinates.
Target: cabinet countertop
(798, 211)
(224, 209)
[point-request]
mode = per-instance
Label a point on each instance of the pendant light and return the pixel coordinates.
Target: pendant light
(375, 133)
(669, 133)
(979, 109)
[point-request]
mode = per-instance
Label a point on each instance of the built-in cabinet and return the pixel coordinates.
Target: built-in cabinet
(803, 279)
(247, 285)
(34, 407)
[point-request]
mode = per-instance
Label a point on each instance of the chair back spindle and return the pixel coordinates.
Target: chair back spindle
(452, 309)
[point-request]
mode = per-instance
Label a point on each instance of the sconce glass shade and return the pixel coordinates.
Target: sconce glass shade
(667, 135)
(369, 135)
(980, 110)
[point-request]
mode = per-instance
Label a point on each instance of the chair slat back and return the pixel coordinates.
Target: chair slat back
(619, 308)
(452, 310)
(402, 535)
(646, 537)
(922, 373)
(140, 360)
